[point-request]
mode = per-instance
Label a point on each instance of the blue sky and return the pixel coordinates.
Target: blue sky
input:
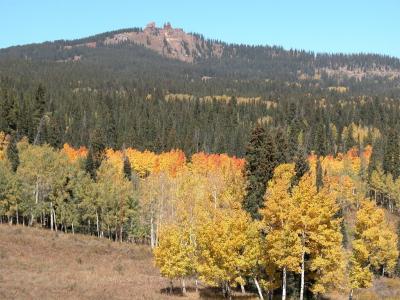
(321, 26)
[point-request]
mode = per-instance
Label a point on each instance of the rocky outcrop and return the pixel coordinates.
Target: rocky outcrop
(170, 42)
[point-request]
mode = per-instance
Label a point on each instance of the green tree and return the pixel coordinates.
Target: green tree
(12, 153)
(260, 164)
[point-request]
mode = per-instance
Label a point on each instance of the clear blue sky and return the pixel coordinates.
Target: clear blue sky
(327, 26)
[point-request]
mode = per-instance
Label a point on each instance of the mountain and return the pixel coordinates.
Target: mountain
(207, 58)
(162, 88)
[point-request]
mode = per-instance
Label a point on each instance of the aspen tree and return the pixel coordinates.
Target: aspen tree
(283, 243)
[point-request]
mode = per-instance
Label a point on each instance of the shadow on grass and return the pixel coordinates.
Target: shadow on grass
(206, 293)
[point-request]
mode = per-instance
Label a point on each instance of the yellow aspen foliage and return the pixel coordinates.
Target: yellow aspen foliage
(225, 250)
(374, 247)
(283, 244)
(175, 253)
(319, 232)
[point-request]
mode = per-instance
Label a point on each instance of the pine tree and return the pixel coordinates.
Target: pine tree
(260, 163)
(282, 147)
(12, 153)
(319, 176)
(127, 168)
(302, 165)
(90, 166)
(391, 157)
(96, 153)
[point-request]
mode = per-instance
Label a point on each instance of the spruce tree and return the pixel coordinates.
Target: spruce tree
(12, 153)
(319, 178)
(282, 147)
(301, 165)
(260, 164)
(127, 168)
(391, 157)
(90, 167)
(96, 153)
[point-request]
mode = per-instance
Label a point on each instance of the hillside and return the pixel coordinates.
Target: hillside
(39, 264)
(122, 51)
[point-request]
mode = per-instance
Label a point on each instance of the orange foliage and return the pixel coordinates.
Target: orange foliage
(203, 163)
(74, 154)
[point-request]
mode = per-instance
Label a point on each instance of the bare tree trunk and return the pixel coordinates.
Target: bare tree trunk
(242, 289)
(302, 277)
(183, 286)
(284, 284)
(16, 214)
(73, 230)
(228, 291)
(97, 223)
(196, 282)
(171, 287)
(55, 221)
(51, 216)
(152, 240)
(258, 288)
(120, 233)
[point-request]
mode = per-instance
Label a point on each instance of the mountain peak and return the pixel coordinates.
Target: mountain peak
(168, 41)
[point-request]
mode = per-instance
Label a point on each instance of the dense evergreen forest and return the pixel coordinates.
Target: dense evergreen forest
(141, 99)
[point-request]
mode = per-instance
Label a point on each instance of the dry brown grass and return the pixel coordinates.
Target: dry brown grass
(40, 264)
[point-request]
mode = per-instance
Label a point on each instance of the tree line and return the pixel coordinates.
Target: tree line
(274, 222)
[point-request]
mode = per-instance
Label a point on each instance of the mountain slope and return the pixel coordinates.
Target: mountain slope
(207, 58)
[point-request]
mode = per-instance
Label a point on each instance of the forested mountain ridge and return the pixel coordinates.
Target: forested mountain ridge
(211, 57)
(60, 92)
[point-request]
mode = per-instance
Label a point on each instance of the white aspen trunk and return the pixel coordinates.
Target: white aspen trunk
(152, 241)
(383, 271)
(16, 214)
(197, 285)
(10, 220)
(120, 233)
(284, 284)
(73, 230)
(242, 289)
(37, 192)
(228, 291)
(51, 216)
(97, 223)
(171, 287)
(55, 220)
(183, 286)
(351, 294)
(302, 277)
(258, 288)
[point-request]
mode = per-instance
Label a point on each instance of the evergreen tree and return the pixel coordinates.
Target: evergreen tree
(96, 153)
(301, 165)
(90, 166)
(127, 168)
(282, 147)
(12, 153)
(260, 165)
(320, 140)
(391, 157)
(319, 177)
